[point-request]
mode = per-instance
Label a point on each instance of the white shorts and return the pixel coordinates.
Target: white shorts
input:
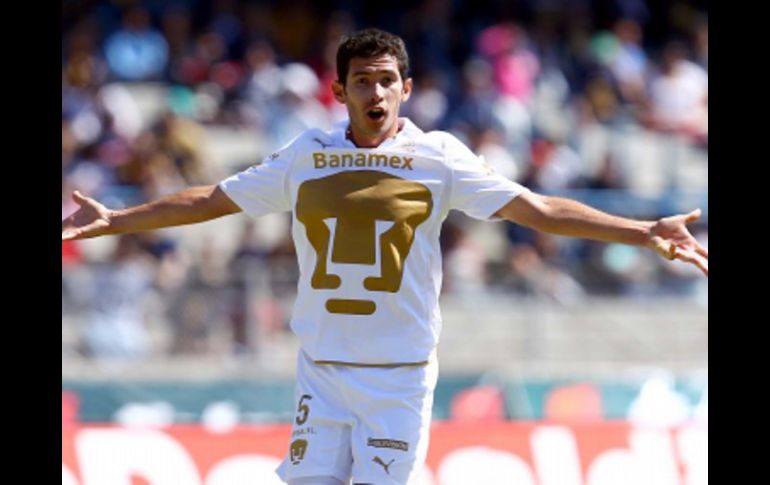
(368, 423)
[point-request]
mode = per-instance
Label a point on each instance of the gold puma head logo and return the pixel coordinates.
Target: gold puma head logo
(384, 465)
(357, 199)
(297, 451)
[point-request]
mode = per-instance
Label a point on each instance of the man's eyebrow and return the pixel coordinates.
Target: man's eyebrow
(367, 72)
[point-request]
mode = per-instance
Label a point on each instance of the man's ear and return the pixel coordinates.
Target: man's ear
(407, 91)
(339, 91)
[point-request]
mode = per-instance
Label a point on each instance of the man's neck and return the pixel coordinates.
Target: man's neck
(362, 141)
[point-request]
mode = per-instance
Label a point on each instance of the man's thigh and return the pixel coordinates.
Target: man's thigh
(320, 440)
(391, 430)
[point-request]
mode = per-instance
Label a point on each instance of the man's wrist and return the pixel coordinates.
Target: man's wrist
(113, 220)
(648, 233)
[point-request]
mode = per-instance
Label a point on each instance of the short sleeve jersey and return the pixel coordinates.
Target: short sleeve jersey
(366, 225)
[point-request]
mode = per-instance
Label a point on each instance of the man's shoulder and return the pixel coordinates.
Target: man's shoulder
(453, 150)
(442, 141)
(314, 138)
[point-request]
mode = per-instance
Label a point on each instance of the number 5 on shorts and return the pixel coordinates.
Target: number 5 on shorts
(303, 410)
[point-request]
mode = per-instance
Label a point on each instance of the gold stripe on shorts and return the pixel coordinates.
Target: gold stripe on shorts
(377, 366)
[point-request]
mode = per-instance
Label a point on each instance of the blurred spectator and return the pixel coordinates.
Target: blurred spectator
(150, 170)
(514, 64)
(194, 289)
(125, 115)
(297, 107)
(340, 23)
(115, 318)
(515, 121)
(88, 172)
(182, 140)
(427, 30)
(474, 111)
(295, 25)
(609, 175)
(489, 144)
(624, 270)
(428, 105)
(83, 69)
(629, 64)
(257, 22)
(464, 263)
(533, 274)
(69, 145)
(262, 84)
(679, 94)
(602, 97)
(702, 43)
(248, 262)
(137, 51)
(209, 51)
(554, 166)
(227, 25)
(601, 103)
(262, 278)
(177, 30)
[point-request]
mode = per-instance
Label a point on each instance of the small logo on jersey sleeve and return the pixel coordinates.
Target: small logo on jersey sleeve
(322, 143)
(409, 146)
(489, 169)
(297, 451)
(272, 156)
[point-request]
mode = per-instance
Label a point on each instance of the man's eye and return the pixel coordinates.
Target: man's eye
(386, 81)
(362, 81)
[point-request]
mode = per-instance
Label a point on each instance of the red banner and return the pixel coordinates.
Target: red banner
(607, 453)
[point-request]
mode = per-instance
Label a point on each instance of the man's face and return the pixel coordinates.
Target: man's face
(373, 93)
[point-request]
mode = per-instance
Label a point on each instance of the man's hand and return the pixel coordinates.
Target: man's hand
(90, 220)
(671, 239)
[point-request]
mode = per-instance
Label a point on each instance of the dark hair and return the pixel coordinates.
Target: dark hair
(371, 43)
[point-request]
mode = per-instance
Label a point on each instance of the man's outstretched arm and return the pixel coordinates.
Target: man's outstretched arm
(189, 206)
(668, 236)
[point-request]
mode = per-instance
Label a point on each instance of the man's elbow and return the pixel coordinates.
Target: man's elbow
(217, 203)
(530, 210)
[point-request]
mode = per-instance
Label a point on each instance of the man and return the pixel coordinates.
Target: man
(367, 201)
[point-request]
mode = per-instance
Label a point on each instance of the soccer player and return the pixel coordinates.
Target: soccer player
(367, 201)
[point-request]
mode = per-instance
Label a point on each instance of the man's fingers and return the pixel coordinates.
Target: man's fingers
(702, 265)
(697, 260)
(692, 216)
(701, 250)
(68, 230)
(705, 268)
(79, 198)
(664, 248)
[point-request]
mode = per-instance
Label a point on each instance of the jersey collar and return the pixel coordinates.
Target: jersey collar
(408, 130)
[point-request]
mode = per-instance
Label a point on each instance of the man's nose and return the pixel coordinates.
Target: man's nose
(378, 91)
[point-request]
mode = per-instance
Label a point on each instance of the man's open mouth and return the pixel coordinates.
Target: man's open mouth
(376, 114)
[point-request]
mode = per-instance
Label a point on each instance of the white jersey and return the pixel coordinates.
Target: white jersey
(366, 225)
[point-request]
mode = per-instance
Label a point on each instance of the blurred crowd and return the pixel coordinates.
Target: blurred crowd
(520, 82)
